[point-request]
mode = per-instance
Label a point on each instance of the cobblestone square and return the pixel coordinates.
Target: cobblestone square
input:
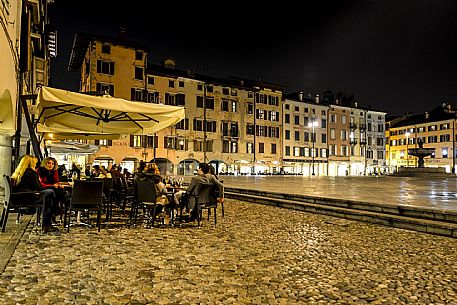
(255, 255)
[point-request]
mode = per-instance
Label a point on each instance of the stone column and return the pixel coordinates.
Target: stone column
(5, 159)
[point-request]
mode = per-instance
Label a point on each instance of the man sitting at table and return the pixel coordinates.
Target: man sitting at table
(203, 177)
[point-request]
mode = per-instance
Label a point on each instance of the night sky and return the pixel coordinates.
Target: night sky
(396, 55)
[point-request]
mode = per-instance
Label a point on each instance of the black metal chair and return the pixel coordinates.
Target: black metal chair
(86, 196)
(109, 192)
(146, 199)
(127, 194)
(13, 203)
(206, 199)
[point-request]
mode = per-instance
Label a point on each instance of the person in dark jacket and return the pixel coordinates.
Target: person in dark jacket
(203, 177)
(75, 169)
(25, 179)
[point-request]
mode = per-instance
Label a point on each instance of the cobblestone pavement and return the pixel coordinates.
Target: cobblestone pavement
(255, 255)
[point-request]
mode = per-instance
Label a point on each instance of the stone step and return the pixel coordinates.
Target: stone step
(401, 210)
(393, 216)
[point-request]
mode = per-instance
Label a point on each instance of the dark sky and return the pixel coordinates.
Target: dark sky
(396, 55)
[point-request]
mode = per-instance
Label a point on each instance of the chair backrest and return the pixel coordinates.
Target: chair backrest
(206, 193)
(118, 184)
(145, 191)
(108, 183)
(87, 192)
(7, 183)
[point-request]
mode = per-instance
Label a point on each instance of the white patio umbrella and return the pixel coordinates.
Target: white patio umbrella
(72, 147)
(49, 133)
(81, 113)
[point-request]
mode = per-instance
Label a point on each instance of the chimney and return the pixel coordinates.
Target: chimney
(169, 63)
(316, 99)
(427, 115)
(122, 32)
(300, 96)
(190, 72)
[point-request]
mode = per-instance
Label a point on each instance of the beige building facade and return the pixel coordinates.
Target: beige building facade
(234, 124)
(305, 136)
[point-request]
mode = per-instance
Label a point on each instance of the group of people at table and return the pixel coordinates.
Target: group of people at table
(205, 175)
(29, 176)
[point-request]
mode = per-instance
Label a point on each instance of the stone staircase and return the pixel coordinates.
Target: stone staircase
(427, 220)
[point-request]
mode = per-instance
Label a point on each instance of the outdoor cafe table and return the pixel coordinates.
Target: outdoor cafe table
(171, 192)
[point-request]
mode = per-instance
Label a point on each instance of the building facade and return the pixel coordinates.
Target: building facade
(305, 136)
(375, 142)
(27, 43)
(435, 129)
(234, 124)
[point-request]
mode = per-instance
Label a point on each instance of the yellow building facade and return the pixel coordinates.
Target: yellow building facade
(436, 129)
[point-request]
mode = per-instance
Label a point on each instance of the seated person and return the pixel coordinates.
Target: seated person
(75, 169)
(104, 173)
(126, 173)
(203, 176)
(95, 172)
(25, 179)
(49, 178)
(151, 172)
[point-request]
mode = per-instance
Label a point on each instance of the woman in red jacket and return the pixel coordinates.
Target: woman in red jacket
(49, 179)
(49, 176)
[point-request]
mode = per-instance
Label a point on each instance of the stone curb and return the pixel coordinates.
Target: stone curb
(19, 231)
(400, 210)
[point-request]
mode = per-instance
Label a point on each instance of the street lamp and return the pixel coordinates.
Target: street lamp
(312, 125)
(407, 134)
